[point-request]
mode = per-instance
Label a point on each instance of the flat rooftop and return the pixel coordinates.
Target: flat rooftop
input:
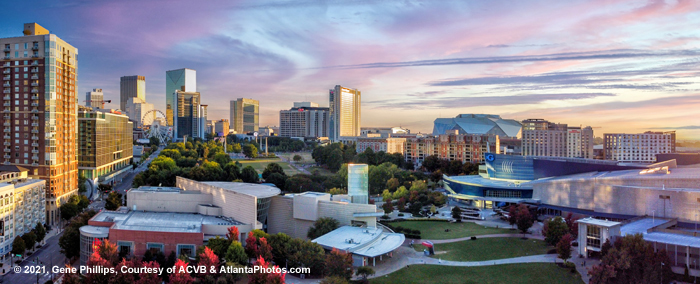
(598, 222)
(161, 221)
(257, 190)
(369, 242)
(157, 189)
(644, 225)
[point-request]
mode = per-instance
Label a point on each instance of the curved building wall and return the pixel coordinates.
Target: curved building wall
(87, 241)
(488, 191)
(510, 167)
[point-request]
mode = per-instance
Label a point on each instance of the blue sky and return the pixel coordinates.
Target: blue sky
(623, 66)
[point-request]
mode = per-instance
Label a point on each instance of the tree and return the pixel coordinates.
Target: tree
(303, 253)
(335, 160)
(572, 225)
(554, 229)
(564, 247)
(388, 206)
(523, 218)
(232, 234)
(94, 261)
(392, 184)
(605, 248)
(297, 158)
(401, 204)
(83, 202)
(337, 191)
(264, 249)
(18, 246)
(219, 246)
(68, 210)
(400, 193)
(222, 158)
(322, 226)
(279, 243)
(249, 175)
(236, 253)
(114, 201)
(180, 275)
(208, 259)
(151, 277)
(334, 280)
(265, 278)
(512, 215)
(386, 195)
(40, 232)
(29, 240)
(279, 180)
(339, 263)
(251, 246)
(632, 260)
(81, 184)
(457, 213)
(364, 272)
(431, 163)
(272, 168)
(250, 151)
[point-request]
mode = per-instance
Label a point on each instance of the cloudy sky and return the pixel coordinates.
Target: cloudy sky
(623, 66)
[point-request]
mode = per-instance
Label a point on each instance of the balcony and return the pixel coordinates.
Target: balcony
(6, 130)
(35, 97)
(34, 91)
(35, 104)
(35, 164)
(7, 49)
(35, 77)
(6, 136)
(35, 137)
(7, 84)
(35, 124)
(35, 84)
(7, 156)
(6, 104)
(35, 157)
(35, 144)
(6, 71)
(35, 70)
(6, 91)
(35, 63)
(36, 47)
(35, 131)
(35, 117)
(7, 150)
(34, 111)
(7, 110)
(35, 151)
(7, 123)
(6, 78)
(7, 144)
(35, 55)
(7, 64)
(6, 57)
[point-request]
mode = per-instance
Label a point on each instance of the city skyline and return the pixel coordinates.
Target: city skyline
(623, 66)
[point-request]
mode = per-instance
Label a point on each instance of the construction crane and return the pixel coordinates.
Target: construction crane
(102, 102)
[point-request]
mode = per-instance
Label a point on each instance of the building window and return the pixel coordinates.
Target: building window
(154, 248)
(187, 250)
(593, 236)
(125, 248)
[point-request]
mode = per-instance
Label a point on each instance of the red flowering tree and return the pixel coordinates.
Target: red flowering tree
(339, 263)
(124, 277)
(180, 275)
(108, 251)
(97, 262)
(264, 249)
(208, 259)
(275, 277)
(71, 278)
(149, 278)
(232, 234)
(251, 246)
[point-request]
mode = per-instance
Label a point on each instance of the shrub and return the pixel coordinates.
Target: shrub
(415, 232)
(400, 214)
(384, 217)
(473, 238)
(399, 229)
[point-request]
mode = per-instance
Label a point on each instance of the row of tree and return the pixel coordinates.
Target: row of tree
(28, 240)
(411, 200)
(335, 155)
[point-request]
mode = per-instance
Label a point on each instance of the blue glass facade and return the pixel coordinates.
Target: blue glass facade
(510, 167)
(489, 189)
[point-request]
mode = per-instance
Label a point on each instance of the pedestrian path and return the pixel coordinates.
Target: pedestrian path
(536, 237)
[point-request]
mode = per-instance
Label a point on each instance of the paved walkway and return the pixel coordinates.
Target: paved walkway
(536, 237)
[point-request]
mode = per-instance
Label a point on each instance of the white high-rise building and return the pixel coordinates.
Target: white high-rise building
(136, 108)
(95, 98)
(640, 148)
(544, 138)
(345, 114)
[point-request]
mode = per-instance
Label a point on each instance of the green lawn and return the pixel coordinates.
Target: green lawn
(306, 157)
(436, 230)
(508, 273)
(260, 164)
(488, 249)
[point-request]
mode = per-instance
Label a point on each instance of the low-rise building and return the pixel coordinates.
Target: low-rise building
(639, 148)
(22, 204)
(467, 148)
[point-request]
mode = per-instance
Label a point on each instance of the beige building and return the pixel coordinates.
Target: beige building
(244, 115)
(467, 148)
(544, 138)
(131, 87)
(221, 126)
(344, 113)
(95, 98)
(39, 71)
(305, 119)
(388, 145)
(136, 108)
(640, 148)
(22, 204)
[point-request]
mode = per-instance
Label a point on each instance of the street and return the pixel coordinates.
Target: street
(125, 185)
(49, 254)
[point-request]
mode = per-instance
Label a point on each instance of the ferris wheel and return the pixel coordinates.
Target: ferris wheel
(157, 125)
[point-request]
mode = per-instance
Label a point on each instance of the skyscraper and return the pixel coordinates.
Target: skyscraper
(344, 105)
(94, 98)
(305, 119)
(244, 115)
(184, 80)
(190, 115)
(131, 87)
(40, 111)
(137, 108)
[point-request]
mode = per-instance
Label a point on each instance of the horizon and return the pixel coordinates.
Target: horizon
(623, 66)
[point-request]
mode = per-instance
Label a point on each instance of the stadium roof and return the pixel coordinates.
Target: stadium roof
(478, 124)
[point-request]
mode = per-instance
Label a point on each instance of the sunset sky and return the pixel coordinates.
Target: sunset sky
(623, 66)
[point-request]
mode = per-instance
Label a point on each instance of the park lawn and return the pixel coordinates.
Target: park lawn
(430, 230)
(521, 273)
(260, 164)
(488, 249)
(306, 157)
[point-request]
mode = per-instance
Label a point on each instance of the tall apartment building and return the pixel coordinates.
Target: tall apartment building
(467, 148)
(244, 115)
(345, 114)
(131, 87)
(105, 145)
(184, 80)
(190, 115)
(136, 109)
(543, 138)
(40, 111)
(221, 126)
(95, 98)
(304, 120)
(640, 148)
(22, 206)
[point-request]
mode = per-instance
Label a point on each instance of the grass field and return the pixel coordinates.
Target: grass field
(488, 249)
(436, 230)
(306, 157)
(260, 164)
(523, 273)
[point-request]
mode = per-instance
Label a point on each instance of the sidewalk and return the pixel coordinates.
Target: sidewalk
(8, 263)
